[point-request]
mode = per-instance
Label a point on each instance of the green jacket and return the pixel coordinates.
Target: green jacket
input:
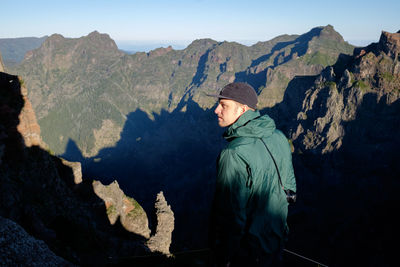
(249, 204)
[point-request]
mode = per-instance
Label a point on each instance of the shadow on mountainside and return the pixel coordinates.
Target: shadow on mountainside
(300, 46)
(38, 192)
(175, 153)
(285, 113)
(346, 198)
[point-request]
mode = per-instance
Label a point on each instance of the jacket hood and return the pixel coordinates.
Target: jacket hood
(251, 124)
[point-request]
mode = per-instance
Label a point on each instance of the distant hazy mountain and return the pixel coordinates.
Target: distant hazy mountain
(132, 47)
(13, 50)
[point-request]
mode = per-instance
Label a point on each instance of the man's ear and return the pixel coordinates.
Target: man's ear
(244, 108)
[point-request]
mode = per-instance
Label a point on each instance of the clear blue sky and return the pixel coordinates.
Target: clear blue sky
(182, 21)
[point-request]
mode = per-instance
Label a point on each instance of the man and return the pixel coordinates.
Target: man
(248, 220)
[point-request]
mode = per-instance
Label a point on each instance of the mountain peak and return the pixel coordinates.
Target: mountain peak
(54, 38)
(329, 32)
(160, 51)
(94, 33)
(390, 43)
(97, 35)
(100, 39)
(203, 43)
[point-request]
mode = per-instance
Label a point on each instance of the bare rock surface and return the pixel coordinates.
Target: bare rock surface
(28, 125)
(134, 218)
(76, 170)
(1, 64)
(161, 240)
(118, 205)
(18, 248)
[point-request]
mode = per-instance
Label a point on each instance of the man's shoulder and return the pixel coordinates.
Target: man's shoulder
(241, 147)
(241, 143)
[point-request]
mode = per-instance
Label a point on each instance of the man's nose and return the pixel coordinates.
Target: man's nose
(216, 110)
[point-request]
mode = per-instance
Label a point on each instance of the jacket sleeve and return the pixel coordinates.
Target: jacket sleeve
(288, 172)
(229, 211)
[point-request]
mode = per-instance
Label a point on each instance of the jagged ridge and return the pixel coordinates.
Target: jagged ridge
(82, 88)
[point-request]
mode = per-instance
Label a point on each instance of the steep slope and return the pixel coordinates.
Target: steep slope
(144, 119)
(83, 89)
(47, 197)
(345, 138)
(1, 64)
(307, 54)
(17, 247)
(28, 126)
(370, 79)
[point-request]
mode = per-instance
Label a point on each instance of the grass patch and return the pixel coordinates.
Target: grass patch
(318, 58)
(362, 85)
(111, 210)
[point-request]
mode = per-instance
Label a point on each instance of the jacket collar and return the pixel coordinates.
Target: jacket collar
(241, 121)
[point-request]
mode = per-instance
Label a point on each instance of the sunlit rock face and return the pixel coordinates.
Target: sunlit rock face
(1, 64)
(134, 218)
(118, 205)
(161, 240)
(28, 125)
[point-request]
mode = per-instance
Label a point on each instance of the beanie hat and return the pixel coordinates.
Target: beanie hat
(239, 92)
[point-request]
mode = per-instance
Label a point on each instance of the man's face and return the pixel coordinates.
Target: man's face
(228, 111)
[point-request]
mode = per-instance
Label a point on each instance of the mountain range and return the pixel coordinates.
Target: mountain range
(93, 86)
(144, 120)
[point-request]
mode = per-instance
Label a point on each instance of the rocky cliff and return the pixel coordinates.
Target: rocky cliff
(342, 122)
(28, 126)
(58, 211)
(144, 120)
(1, 64)
(17, 247)
(161, 240)
(118, 205)
(344, 133)
(134, 218)
(83, 89)
(372, 75)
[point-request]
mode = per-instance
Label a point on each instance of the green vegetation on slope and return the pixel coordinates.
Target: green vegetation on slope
(77, 84)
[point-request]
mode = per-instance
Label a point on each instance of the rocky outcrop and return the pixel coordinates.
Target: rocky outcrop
(118, 205)
(346, 156)
(43, 194)
(73, 81)
(18, 248)
(159, 51)
(134, 218)
(390, 44)
(161, 240)
(337, 95)
(28, 126)
(1, 64)
(76, 170)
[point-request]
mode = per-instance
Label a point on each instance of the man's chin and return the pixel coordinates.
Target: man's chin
(222, 124)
